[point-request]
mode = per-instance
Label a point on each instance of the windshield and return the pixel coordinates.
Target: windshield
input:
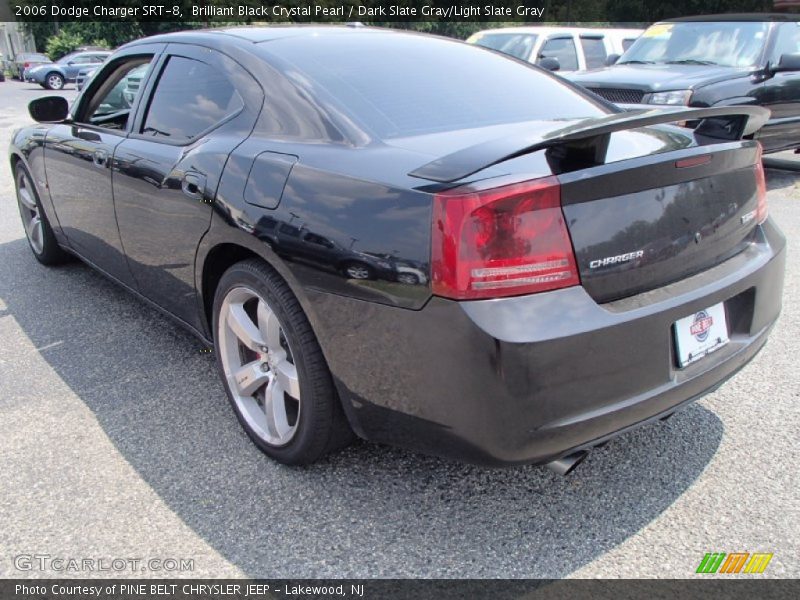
(519, 45)
(400, 85)
(728, 44)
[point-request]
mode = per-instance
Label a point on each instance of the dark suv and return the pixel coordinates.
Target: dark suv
(713, 61)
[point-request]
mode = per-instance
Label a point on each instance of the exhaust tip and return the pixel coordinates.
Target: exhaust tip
(566, 464)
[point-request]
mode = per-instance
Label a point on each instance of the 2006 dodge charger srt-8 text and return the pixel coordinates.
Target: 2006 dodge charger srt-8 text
(412, 239)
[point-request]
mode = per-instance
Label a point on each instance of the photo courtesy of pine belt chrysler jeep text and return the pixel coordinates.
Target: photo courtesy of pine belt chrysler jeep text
(489, 264)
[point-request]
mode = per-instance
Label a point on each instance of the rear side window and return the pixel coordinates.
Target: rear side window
(594, 51)
(190, 97)
(564, 50)
(399, 85)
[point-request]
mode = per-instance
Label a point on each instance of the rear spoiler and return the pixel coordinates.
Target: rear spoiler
(590, 137)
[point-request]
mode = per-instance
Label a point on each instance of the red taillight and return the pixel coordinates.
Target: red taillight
(26, 65)
(501, 242)
(761, 189)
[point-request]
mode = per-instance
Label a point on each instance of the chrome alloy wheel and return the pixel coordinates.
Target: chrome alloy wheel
(29, 209)
(258, 365)
(55, 82)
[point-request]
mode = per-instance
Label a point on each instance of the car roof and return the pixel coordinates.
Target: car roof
(735, 17)
(259, 34)
(74, 52)
(547, 30)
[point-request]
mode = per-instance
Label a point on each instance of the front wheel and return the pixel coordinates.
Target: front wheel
(37, 228)
(54, 81)
(273, 369)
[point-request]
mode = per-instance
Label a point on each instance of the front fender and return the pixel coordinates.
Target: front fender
(27, 146)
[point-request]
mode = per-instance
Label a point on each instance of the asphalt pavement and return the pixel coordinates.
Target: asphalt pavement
(117, 441)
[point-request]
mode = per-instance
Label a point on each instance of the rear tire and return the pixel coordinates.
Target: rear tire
(40, 235)
(272, 367)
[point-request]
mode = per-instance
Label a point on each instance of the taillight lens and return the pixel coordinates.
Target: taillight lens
(504, 241)
(761, 189)
(26, 65)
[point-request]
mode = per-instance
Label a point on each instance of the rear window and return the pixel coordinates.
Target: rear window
(401, 85)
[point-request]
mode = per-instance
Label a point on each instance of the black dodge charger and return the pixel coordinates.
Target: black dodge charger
(412, 239)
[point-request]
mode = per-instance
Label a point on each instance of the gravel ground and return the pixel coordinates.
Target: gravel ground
(117, 442)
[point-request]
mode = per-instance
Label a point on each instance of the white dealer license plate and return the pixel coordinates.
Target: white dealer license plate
(700, 334)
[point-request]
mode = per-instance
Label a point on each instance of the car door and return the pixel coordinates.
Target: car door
(78, 157)
(780, 92)
(200, 106)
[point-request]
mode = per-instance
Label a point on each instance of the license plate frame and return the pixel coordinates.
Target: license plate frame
(699, 334)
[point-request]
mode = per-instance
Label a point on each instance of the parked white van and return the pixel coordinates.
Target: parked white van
(562, 49)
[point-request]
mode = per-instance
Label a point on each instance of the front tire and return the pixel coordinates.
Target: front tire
(40, 235)
(273, 369)
(54, 81)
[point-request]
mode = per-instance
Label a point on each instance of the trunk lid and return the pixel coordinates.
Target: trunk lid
(641, 224)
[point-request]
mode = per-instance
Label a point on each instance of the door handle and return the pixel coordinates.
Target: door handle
(99, 158)
(194, 185)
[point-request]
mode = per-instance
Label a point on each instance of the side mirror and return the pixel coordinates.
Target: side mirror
(787, 62)
(550, 63)
(612, 59)
(70, 63)
(49, 109)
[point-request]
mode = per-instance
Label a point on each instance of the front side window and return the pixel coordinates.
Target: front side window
(730, 44)
(562, 49)
(110, 106)
(190, 98)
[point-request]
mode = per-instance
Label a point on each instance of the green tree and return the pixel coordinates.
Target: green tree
(63, 43)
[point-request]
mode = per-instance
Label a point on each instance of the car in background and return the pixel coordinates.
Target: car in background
(53, 76)
(83, 76)
(562, 49)
(713, 61)
(26, 60)
(133, 82)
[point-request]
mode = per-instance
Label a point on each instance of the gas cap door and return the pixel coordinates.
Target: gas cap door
(268, 175)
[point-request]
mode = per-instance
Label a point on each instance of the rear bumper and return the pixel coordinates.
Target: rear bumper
(533, 378)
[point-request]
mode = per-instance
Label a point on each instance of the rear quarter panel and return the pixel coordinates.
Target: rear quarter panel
(380, 222)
